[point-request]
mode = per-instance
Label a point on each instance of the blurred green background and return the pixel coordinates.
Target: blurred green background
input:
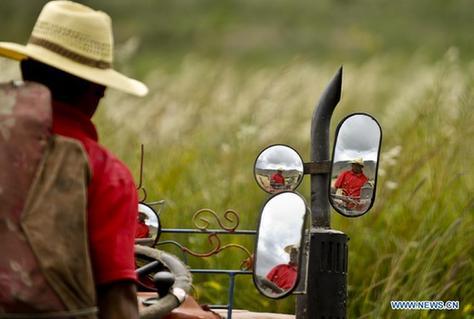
(272, 32)
(228, 78)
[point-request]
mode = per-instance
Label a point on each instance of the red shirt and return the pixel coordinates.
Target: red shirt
(142, 230)
(112, 201)
(351, 183)
(283, 276)
(277, 178)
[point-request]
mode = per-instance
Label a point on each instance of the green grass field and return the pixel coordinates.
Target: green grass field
(204, 125)
(218, 96)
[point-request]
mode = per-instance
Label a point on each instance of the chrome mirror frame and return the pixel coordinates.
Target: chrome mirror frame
(341, 123)
(301, 247)
(158, 230)
(300, 179)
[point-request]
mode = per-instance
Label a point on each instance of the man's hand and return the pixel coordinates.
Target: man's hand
(117, 300)
(268, 284)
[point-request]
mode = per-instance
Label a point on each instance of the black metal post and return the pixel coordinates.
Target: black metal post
(326, 290)
(320, 125)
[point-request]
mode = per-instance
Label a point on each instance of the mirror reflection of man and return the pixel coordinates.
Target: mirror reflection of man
(351, 182)
(142, 231)
(284, 275)
(277, 180)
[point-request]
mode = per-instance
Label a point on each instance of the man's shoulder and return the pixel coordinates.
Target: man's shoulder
(107, 165)
(281, 266)
(348, 172)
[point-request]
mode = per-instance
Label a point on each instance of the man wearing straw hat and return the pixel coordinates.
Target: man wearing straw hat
(284, 275)
(351, 181)
(70, 51)
(277, 180)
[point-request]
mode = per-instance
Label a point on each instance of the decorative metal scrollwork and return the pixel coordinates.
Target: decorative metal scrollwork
(202, 226)
(229, 215)
(213, 251)
(216, 247)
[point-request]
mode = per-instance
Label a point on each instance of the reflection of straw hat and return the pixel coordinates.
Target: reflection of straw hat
(358, 161)
(289, 248)
(78, 40)
(280, 168)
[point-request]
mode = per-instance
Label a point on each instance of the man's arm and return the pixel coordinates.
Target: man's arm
(117, 300)
(113, 213)
(340, 178)
(270, 285)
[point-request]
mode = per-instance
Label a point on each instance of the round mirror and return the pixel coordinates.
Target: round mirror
(278, 168)
(279, 239)
(354, 165)
(148, 226)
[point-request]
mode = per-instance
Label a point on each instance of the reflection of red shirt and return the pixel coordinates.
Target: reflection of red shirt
(142, 230)
(278, 178)
(112, 201)
(283, 276)
(351, 183)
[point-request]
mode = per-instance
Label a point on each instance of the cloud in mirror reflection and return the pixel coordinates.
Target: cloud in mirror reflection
(358, 136)
(279, 156)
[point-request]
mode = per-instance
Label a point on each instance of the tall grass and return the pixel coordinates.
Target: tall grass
(204, 124)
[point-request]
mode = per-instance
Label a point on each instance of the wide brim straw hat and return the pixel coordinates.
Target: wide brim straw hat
(358, 161)
(289, 248)
(78, 40)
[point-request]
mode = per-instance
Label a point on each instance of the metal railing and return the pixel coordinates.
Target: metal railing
(202, 225)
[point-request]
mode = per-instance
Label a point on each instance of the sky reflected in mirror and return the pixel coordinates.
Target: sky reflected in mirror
(359, 136)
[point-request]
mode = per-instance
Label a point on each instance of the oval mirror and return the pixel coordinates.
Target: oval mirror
(354, 165)
(148, 225)
(278, 168)
(279, 238)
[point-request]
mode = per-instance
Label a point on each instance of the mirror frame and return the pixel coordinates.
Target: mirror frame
(302, 244)
(255, 166)
(158, 231)
(376, 166)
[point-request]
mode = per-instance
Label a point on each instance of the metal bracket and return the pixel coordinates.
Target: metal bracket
(322, 167)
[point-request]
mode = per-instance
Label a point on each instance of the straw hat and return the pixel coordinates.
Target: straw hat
(358, 161)
(289, 248)
(76, 39)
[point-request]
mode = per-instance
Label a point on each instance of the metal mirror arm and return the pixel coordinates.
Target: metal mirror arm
(312, 168)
